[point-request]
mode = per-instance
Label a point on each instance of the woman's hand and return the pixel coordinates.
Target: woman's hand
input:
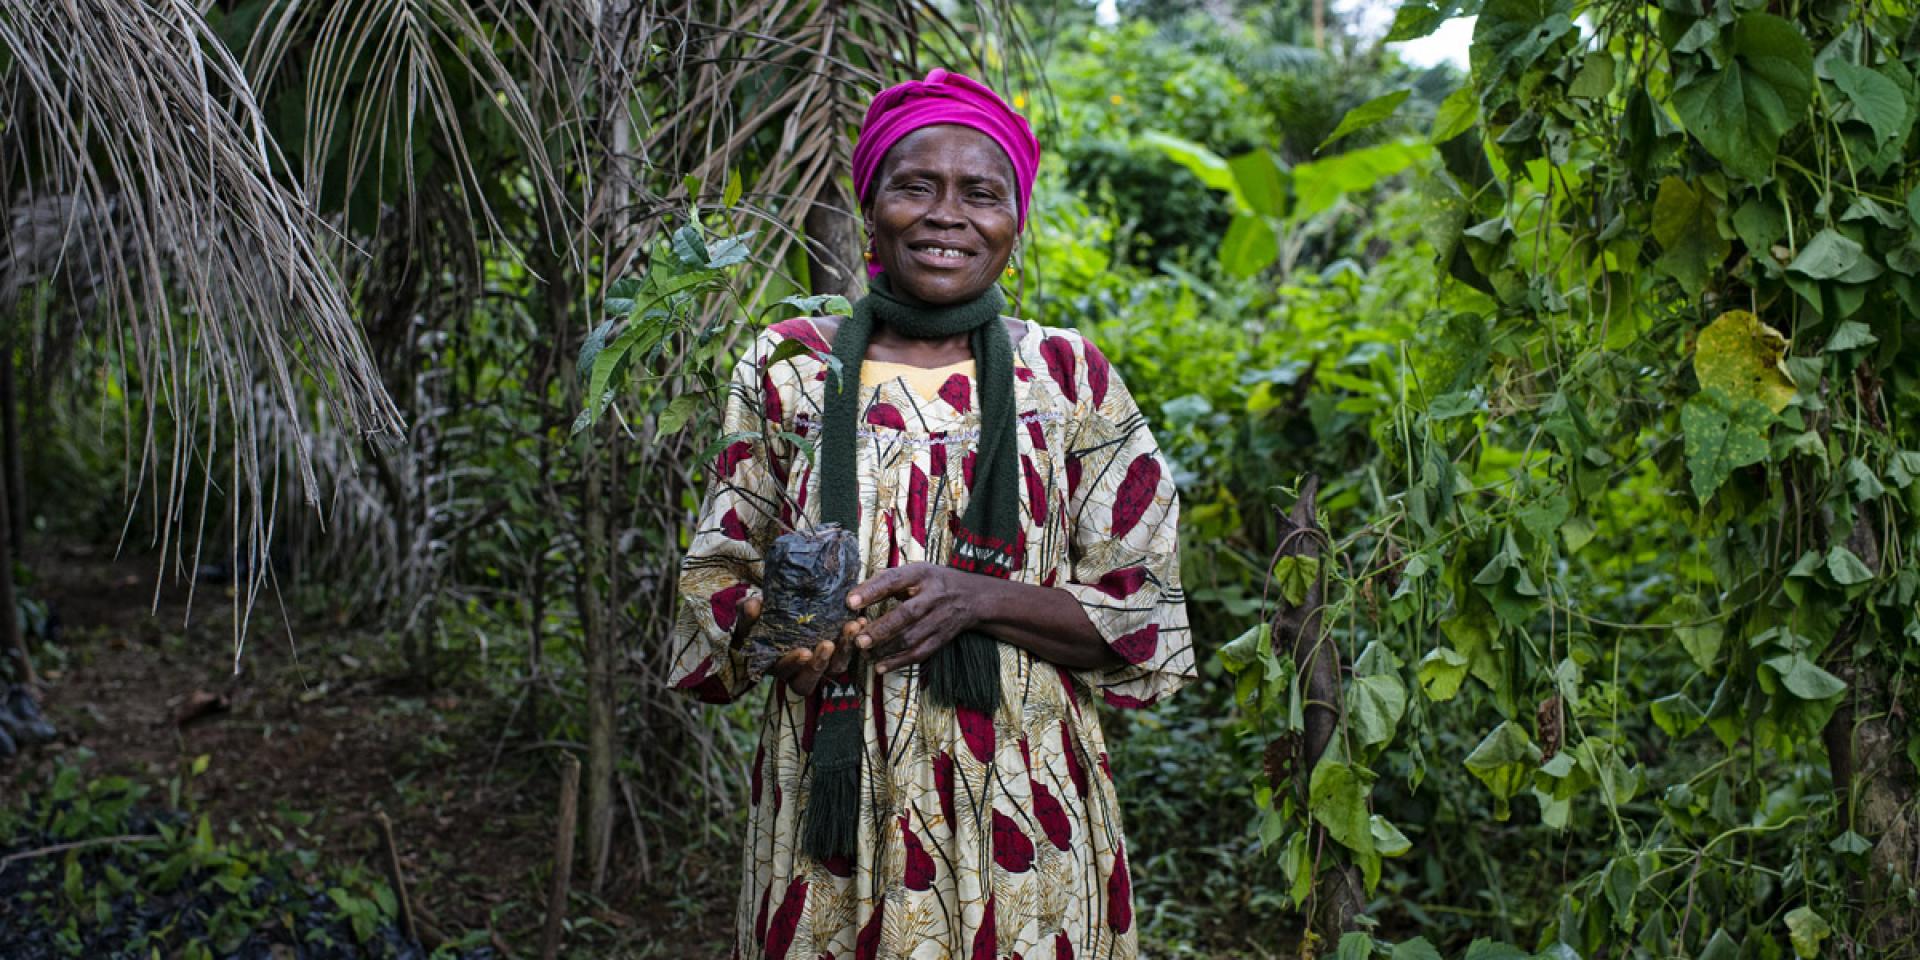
(940, 602)
(801, 669)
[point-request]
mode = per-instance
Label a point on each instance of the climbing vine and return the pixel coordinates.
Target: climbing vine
(1641, 560)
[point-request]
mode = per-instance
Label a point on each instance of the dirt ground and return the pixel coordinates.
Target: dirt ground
(317, 734)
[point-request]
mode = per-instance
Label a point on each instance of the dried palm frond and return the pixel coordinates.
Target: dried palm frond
(134, 121)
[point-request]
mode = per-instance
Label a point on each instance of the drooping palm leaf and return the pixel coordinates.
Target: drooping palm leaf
(131, 127)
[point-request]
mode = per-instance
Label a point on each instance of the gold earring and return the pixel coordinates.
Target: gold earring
(867, 255)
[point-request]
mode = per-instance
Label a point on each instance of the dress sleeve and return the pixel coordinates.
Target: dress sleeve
(738, 520)
(1124, 553)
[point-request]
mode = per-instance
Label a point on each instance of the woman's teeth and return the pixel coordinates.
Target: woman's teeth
(945, 252)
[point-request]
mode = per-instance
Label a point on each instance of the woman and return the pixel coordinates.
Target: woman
(936, 783)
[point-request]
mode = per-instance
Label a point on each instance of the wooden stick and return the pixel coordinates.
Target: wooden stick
(76, 845)
(394, 876)
(562, 857)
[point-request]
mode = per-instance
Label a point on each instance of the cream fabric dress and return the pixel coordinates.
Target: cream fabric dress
(981, 837)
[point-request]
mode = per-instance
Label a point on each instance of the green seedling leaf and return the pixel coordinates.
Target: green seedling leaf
(1745, 359)
(1503, 761)
(1807, 930)
(1442, 671)
(1337, 798)
(1876, 99)
(1685, 222)
(1721, 437)
(1365, 115)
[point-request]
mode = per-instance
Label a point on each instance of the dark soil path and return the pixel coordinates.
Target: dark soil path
(318, 732)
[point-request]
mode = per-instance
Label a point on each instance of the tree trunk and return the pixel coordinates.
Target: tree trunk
(16, 485)
(833, 245)
(9, 606)
(1338, 896)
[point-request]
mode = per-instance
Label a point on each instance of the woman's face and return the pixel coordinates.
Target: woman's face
(944, 213)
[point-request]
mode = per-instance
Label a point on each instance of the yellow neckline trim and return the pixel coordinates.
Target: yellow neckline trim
(924, 381)
(896, 365)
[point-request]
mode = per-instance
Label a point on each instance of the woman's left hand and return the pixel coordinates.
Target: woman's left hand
(938, 606)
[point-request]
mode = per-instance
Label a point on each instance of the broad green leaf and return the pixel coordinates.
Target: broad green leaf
(1337, 798)
(1416, 19)
(1807, 929)
(1442, 671)
(1510, 35)
(1850, 843)
(1295, 576)
(1621, 882)
(831, 303)
(1876, 100)
(1319, 184)
(1388, 841)
(1503, 761)
(1203, 163)
(1832, 255)
(690, 247)
(1805, 679)
(1456, 115)
(734, 188)
(1262, 183)
(1721, 436)
(678, 412)
(729, 251)
(1595, 79)
(1354, 945)
(1744, 359)
(1374, 706)
(1677, 715)
(1850, 335)
(1250, 245)
(1740, 111)
(1493, 950)
(1685, 222)
(1366, 115)
(1720, 947)
(1416, 949)
(1246, 649)
(1846, 568)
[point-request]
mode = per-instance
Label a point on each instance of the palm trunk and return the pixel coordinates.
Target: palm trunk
(9, 606)
(16, 500)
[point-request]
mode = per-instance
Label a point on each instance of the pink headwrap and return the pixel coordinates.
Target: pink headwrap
(944, 97)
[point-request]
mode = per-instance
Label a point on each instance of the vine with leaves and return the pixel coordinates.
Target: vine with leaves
(1642, 512)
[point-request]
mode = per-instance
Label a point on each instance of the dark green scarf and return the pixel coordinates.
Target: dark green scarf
(966, 671)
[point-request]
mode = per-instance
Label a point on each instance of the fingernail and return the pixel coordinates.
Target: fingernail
(853, 599)
(864, 641)
(879, 669)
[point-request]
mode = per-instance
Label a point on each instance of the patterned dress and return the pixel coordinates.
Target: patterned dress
(981, 837)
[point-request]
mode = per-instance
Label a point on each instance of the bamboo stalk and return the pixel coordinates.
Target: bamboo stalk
(562, 857)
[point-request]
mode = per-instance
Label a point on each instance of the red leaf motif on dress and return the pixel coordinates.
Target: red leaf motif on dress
(1023, 374)
(725, 604)
(1120, 894)
(867, 947)
(1037, 434)
(1052, 575)
(1074, 468)
(886, 415)
(937, 454)
(1073, 689)
(776, 798)
(958, 392)
(786, 920)
(736, 453)
(702, 681)
(840, 865)
(1106, 767)
(1140, 645)
(893, 541)
(812, 722)
(917, 504)
(1075, 771)
(1122, 583)
(1125, 701)
(1011, 848)
(759, 758)
(1052, 817)
(919, 875)
(1036, 491)
(943, 784)
(1058, 353)
(1135, 494)
(986, 943)
(1096, 373)
(1062, 946)
(770, 397)
(731, 526)
(801, 329)
(760, 919)
(977, 728)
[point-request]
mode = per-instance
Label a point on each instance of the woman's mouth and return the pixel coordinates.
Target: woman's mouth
(941, 254)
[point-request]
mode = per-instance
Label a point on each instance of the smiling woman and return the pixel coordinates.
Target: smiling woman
(935, 782)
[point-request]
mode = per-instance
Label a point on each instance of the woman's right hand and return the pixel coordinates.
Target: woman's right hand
(802, 669)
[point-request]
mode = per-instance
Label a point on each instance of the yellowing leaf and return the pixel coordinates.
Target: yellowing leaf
(1745, 359)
